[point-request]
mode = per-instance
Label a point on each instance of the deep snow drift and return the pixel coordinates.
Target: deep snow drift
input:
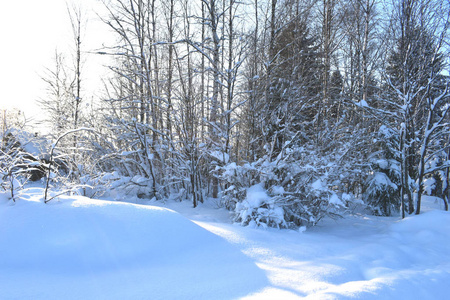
(87, 249)
(77, 248)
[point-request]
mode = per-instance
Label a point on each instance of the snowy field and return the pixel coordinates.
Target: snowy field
(78, 248)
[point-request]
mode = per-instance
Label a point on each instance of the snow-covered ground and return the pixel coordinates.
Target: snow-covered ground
(77, 248)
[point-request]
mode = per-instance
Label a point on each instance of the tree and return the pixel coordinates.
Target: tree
(64, 83)
(76, 19)
(292, 82)
(413, 104)
(383, 185)
(58, 103)
(135, 93)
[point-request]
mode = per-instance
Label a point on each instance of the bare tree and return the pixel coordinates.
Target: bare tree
(135, 101)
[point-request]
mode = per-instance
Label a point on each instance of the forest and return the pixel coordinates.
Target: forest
(328, 106)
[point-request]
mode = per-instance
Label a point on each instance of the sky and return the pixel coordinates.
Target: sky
(31, 31)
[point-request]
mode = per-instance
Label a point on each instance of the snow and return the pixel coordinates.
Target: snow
(334, 199)
(317, 185)
(78, 248)
(278, 190)
(31, 144)
(220, 156)
(111, 176)
(429, 185)
(362, 103)
(258, 209)
(360, 258)
(256, 195)
(383, 164)
(381, 179)
(88, 249)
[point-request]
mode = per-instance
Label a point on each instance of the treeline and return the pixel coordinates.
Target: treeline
(323, 103)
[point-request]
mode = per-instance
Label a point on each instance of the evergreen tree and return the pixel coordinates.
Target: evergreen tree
(294, 86)
(383, 184)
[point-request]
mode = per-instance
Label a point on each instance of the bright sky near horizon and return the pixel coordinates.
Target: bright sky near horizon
(31, 31)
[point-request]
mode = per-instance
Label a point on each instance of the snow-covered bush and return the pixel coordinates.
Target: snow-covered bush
(236, 179)
(92, 186)
(259, 209)
(19, 160)
(299, 188)
(11, 173)
(120, 186)
(302, 183)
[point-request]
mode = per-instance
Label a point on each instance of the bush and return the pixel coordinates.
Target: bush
(259, 210)
(237, 179)
(299, 188)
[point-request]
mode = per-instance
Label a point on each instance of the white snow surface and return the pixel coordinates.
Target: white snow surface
(256, 195)
(78, 248)
(36, 146)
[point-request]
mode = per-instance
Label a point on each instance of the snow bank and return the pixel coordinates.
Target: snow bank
(85, 249)
(89, 249)
(360, 257)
